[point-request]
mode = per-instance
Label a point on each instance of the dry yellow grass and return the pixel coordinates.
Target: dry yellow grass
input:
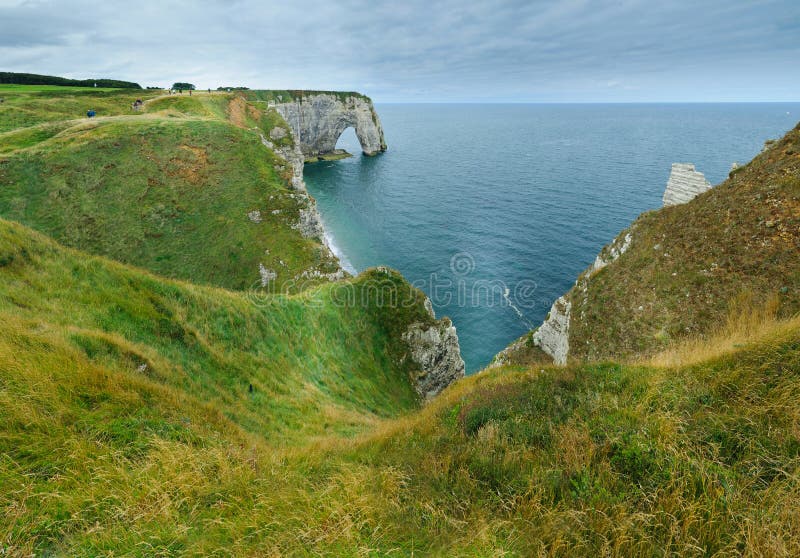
(748, 319)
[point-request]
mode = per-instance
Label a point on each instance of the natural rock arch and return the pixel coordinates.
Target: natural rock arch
(318, 120)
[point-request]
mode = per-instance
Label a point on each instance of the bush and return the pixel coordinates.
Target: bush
(183, 85)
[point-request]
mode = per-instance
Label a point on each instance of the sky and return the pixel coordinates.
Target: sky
(423, 50)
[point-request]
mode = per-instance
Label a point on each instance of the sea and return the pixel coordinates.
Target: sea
(494, 209)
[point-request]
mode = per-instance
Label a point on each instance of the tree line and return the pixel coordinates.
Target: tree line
(36, 79)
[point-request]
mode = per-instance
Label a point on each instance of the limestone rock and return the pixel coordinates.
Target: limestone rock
(435, 351)
(684, 184)
(611, 252)
(318, 119)
(294, 157)
(267, 275)
(310, 223)
(277, 133)
(553, 335)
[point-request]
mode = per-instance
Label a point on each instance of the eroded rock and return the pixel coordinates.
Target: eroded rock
(684, 184)
(553, 335)
(435, 351)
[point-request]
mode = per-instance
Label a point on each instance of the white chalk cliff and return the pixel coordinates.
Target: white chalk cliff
(553, 335)
(435, 351)
(684, 184)
(317, 119)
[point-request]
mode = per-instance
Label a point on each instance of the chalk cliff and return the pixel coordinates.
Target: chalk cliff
(684, 184)
(317, 119)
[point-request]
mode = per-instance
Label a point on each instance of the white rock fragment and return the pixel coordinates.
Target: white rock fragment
(614, 251)
(254, 216)
(277, 133)
(684, 184)
(267, 275)
(553, 335)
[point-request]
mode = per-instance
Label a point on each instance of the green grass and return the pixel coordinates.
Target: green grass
(300, 353)
(101, 455)
(23, 107)
(169, 190)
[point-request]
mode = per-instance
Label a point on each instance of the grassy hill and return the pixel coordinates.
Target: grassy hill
(129, 428)
(142, 414)
(170, 189)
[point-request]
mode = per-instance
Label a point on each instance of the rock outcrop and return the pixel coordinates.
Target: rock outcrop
(684, 184)
(318, 119)
(435, 351)
(553, 335)
(310, 222)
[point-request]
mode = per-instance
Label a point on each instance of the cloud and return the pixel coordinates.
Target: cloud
(571, 50)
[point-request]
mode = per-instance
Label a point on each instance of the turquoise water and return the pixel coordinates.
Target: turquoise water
(471, 200)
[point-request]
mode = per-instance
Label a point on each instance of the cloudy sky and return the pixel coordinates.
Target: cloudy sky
(423, 50)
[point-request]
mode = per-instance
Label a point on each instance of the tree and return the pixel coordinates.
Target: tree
(181, 85)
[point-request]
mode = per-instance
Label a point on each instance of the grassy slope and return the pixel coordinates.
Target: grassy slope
(169, 190)
(697, 458)
(300, 353)
(99, 455)
(29, 105)
(688, 265)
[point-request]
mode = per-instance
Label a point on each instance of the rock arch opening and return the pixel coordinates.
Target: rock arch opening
(348, 142)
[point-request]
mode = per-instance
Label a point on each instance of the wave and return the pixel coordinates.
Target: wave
(330, 242)
(529, 324)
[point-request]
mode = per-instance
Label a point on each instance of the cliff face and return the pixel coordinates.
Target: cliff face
(435, 351)
(318, 119)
